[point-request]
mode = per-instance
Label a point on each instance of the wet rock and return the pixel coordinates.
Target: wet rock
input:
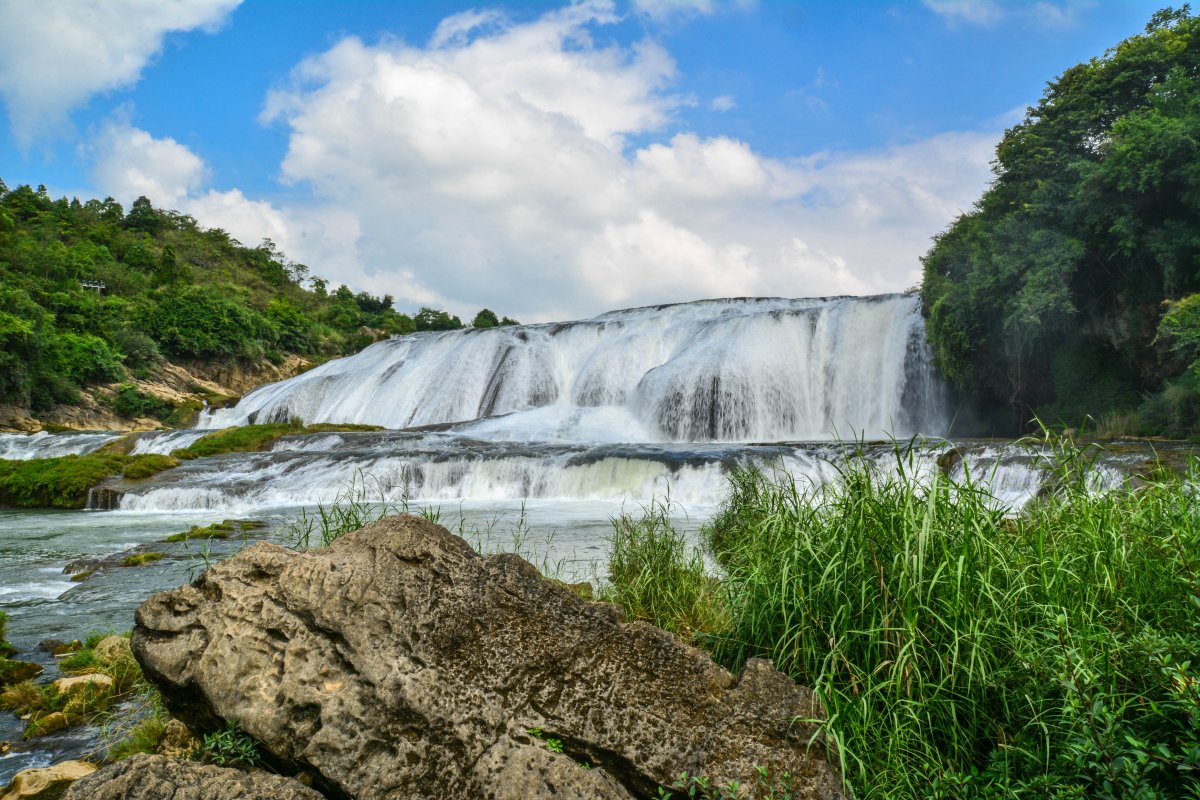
(110, 648)
(399, 663)
(46, 725)
(93, 682)
(12, 672)
(146, 777)
(46, 783)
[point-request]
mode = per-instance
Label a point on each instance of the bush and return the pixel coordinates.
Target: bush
(201, 322)
(129, 402)
(86, 359)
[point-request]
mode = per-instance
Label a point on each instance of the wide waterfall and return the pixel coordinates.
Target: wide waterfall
(716, 370)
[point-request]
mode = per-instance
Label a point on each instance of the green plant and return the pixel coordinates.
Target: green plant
(350, 510)
(230, 747)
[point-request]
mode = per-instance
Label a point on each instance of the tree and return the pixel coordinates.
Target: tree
(1054, 280)
(430, 319)
(143, 218)
(486, 318)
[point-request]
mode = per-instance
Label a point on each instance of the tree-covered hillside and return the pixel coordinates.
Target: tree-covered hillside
(91, 293)
(1047, 298)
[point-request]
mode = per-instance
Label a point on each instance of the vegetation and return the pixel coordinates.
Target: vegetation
(141, 559)
(961, 652)
(218, 530)
(1047, 296)
(65, 482)
(91, 293)
(230, 747)
(252, 438)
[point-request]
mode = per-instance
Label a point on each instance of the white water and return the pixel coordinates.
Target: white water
(718, 370)
(24, 446)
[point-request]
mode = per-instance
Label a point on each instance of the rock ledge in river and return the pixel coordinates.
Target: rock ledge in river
(398, 663)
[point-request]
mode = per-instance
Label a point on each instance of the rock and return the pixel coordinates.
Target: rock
(145, 777)
(46, 783)
(177, 741)
(397, 663)
(44, 726)
(110, 648)
(95, 682)
(12, 672)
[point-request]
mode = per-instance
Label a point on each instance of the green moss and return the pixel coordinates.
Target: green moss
(252, 438)
(139, 559)
(6, 649)
(144, 466)
(218, 530)
(80, 577)
(16, 671)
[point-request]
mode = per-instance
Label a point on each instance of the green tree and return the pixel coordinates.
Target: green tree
(486, 318)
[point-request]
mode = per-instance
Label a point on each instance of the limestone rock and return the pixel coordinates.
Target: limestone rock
(110, 648)
(46, 783)
(44, 726)
(397, 663)
(145, 777)
(12, 672)
(94, 682)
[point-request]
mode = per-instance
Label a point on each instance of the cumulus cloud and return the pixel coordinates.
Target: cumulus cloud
(128, 162)
(496, 166)
(56, 54)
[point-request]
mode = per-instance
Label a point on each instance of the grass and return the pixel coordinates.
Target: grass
(961, 652)
(218, 530)
(253, 438)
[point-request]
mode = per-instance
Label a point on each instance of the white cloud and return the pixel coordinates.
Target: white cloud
(130, 163)
(664, 10)
(1060, 15)
(494, 168)
(56, 54)
(723, 103)
(973, 12)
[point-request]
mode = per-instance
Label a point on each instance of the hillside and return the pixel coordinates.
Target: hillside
(112, 318)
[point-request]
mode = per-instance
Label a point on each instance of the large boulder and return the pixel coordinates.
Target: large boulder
(46, 783)
(398, 663)
(144, 777)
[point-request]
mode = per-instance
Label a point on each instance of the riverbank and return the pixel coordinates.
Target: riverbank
(960, 652)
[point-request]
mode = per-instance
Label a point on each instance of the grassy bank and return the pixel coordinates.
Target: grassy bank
(959, 653)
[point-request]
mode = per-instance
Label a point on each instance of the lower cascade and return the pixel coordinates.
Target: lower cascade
(757, 369)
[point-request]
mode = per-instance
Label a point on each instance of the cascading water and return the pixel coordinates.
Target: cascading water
(719, 370)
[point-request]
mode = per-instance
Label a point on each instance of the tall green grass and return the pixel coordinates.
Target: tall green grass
(964, 653)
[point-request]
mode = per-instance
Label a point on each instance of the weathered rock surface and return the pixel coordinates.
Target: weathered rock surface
(109, 649)
(95, 682)
(399, 664)
(46, 783)
(144, 777)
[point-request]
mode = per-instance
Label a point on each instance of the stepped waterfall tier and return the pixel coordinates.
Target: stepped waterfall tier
(717, 370)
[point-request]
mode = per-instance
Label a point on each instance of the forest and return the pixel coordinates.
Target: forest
(1069, 292)
(92, 293)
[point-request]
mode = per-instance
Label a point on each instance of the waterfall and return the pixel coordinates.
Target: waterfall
(716, 370)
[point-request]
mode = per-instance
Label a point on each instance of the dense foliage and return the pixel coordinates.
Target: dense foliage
(959, 652)
(1045, 298)
(90, 293)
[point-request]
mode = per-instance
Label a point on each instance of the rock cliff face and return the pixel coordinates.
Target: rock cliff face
(400, 664)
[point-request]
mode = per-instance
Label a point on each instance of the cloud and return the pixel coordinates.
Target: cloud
(56, 54)
(665, 10)
(128, 162)
(723, 103)
(495, 167)
(986, 13)
(973, 12)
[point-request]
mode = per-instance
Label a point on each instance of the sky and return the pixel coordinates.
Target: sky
(547, 160)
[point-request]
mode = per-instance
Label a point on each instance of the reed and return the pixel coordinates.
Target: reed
(961, 651)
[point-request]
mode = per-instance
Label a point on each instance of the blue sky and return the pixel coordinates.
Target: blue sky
(547, 160)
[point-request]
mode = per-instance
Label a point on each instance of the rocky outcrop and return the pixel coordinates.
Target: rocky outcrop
(398, 663)
(144, 777)
(46, 783)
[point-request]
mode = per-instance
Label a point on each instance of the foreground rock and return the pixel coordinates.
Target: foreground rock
(144, 777)
(46, 783)
(399, 664)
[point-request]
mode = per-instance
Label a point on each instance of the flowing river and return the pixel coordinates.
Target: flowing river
(527, 438)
